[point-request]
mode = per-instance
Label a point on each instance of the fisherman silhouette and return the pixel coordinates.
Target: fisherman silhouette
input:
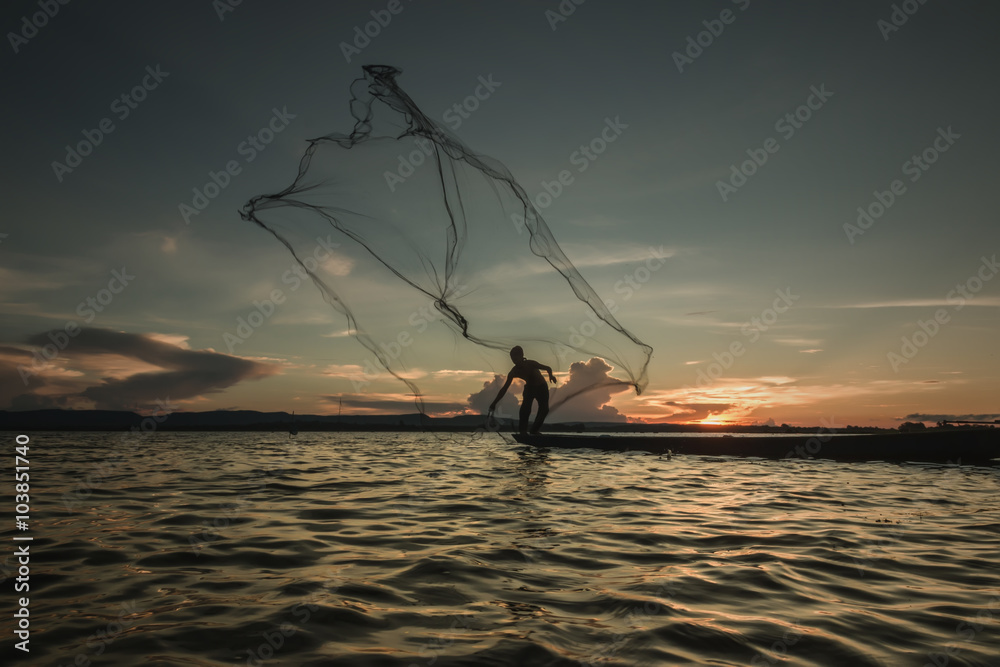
(535, 389)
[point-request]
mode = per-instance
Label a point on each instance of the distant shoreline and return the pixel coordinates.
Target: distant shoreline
(254, 421)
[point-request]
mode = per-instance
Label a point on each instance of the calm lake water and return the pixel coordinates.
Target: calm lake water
(420, 551)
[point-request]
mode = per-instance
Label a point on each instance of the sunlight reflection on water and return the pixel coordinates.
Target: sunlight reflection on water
(411, 549)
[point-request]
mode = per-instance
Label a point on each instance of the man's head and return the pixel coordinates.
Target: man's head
(516, 354)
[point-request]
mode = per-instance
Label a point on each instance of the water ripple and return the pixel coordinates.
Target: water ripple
(408, 549)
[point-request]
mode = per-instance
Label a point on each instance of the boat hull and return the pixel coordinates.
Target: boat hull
(961, 446)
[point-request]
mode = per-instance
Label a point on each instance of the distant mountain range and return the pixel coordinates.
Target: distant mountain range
(225, 420)
(251, 420)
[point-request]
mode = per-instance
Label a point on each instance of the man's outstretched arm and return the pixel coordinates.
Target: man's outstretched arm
(547, 369)
(503, 390)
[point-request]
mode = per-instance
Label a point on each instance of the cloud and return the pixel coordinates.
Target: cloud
(587, 393)
(177, 340)
(990, 301)
(449, 374)
(508, 406)
(920, 417)
(13, 386)
(691, 412)
(798, 342)
(390, 404)
(737, 399)
(108, 366)
(114, 370)
(27, 385)
(347, 371)
(338, 265)
(623, 253)
(43, 274)
(357, 373)
(629, 254)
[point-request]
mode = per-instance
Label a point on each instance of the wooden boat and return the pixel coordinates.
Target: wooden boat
(956, 446)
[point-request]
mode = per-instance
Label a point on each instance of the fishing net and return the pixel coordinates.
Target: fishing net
(441, 262)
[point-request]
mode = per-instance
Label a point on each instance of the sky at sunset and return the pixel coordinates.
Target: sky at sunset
(793, 204)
